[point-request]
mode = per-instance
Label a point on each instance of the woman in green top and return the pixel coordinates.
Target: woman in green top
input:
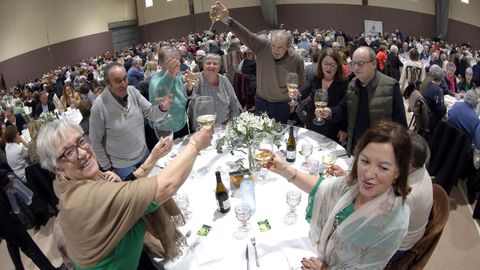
(466, 83)
(358, 221)
(104, 222)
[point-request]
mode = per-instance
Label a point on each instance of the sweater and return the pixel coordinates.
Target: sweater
(462, 116)
(117, 134)
(271, 73)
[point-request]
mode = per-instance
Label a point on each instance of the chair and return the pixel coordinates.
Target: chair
(449, 148)
(420, 120)
(418, 256)
(244, 90)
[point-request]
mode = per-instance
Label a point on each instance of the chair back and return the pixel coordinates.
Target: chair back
(418, 105)
(413, 74)
(418, 256)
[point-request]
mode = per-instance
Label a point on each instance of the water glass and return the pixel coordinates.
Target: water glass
(293, 200)
(306, 152)
(182, 202)
(243, 213)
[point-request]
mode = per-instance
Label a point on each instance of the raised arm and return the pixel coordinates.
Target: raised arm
(302, 180)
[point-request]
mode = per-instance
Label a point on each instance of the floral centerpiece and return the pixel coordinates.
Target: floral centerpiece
(302, 52)
(240, 131)
(46, 117)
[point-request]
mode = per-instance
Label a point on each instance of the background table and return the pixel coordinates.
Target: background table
(283, 247)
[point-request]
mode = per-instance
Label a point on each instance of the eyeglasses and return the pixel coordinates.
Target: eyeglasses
(71, 154)
(329, 65)
(360, 64)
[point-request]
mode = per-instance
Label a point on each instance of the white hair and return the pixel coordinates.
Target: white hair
(51, 135)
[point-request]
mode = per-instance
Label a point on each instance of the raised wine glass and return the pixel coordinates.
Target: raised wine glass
(293, 200)
(214, 18)
(320, 101)
(292, 85)
(262, 146)
(243, 213)
(205, 111)
(192, 78)
(329, 159)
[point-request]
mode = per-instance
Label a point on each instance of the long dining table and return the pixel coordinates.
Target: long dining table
(281, 247)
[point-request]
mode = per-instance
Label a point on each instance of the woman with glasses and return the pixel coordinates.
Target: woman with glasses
(329, 76)
(104, 222)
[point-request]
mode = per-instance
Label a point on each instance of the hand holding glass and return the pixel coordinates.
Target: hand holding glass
(320, 101)
(292, 85)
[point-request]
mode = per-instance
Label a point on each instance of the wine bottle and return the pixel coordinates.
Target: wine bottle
(291, 147)
(223, 202)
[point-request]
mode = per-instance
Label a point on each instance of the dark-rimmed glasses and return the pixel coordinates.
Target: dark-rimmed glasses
(360, 64)
(71, 153)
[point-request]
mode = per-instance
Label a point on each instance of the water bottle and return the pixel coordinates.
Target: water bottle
(247, 188)
(22, 191)
(13, 201)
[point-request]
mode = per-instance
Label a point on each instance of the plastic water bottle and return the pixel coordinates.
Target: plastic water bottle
(247, 188)
(22, 191)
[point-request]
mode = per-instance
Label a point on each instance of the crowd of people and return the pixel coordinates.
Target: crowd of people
(125, 97)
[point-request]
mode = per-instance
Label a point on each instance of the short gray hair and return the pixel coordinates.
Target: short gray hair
(469, 71)
(137, 60)
(50, 136)
(436, 73)
(471, 97)
(394, 49)
(451, 65)
(286, 35)
(212, 56)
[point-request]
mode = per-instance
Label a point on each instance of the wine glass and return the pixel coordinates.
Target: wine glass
(182, 202)
(292, 84)
(262, 146)
(321, 101)
(329, 159)
(243, 213)
(306, 151)
(192, 78)
(162, 129)
(205, 111)
(214, 18)
(293, 200)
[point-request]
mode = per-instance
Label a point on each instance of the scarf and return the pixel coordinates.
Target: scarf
(96, 215)
(368, 238)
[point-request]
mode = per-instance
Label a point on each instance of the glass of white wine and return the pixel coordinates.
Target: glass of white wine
(329, 159)
(320, 101)
(192, 78)
(214, 18)
(205, 111)
(292, 85)
(262, 146)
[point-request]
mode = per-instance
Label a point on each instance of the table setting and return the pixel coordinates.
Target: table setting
(270, 234)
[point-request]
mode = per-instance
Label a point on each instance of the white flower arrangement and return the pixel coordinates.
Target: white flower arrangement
(47, 117)
(241, 130)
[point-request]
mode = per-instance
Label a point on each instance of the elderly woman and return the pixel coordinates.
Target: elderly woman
(358, 221)
(433, 94)
(462, 115)
(450, 78)
(211, 83)
(393, 64)
(413, 70)
(104, 222)
(16, 151)
(69, 98)
(328, 76)
(169, 82)
(467, 83)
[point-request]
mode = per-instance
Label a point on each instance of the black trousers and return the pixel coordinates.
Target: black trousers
(18, 238)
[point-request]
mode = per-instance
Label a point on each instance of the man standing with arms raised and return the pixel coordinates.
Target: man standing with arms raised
(274, 61)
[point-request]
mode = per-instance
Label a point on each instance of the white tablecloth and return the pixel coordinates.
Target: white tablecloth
(283, 247)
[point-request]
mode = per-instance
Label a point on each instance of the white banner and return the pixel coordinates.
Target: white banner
(373, 27)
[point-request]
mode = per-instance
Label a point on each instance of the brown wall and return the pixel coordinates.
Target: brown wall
(33, 64)
(349, 18)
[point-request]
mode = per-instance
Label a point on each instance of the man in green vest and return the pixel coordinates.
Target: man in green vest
(371, 97)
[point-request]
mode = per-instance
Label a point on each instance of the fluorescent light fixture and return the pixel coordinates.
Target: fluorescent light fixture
(465, 1)
(148, 3)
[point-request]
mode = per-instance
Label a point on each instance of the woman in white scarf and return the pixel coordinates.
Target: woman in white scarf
(358, 221)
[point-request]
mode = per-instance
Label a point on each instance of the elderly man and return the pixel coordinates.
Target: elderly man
(274, 61)
(462, 116)
(44, 106)
(135, 73)
(116, 123)
(434, 95)
(15, 119)
(371, 97)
